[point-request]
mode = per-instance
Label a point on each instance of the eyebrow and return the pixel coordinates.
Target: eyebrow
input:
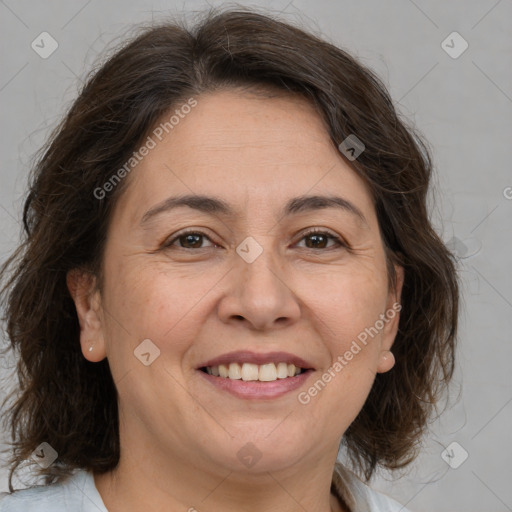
(217, 206)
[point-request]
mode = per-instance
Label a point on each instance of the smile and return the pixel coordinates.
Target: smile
(254, 375)
(254, 372)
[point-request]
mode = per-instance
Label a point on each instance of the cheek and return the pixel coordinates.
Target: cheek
(166, 307)
(347, 304)
(348, 315)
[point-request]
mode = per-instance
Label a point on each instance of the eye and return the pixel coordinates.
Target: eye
(319, 238)
(189, 240)
(193, 240)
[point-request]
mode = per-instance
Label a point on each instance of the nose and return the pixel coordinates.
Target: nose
(259, 295)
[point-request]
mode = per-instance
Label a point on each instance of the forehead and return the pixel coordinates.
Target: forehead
(233, 121)
(248, 149)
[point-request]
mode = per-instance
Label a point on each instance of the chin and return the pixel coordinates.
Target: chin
(263, 452)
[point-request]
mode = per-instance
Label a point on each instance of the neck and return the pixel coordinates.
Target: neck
(153, 481)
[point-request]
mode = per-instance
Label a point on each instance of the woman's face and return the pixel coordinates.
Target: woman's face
(250, 279)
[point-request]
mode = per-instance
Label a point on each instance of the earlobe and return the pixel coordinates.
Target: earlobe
(387, 361)
(82, 287)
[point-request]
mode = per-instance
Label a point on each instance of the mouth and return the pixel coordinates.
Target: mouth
(268, 372)
(252, 375)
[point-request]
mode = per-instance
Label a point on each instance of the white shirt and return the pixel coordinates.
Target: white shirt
(78, 493)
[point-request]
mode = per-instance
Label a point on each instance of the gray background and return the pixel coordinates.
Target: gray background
(462, 105)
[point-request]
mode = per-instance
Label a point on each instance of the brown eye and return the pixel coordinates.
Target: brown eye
(189, 240)
(320, 239)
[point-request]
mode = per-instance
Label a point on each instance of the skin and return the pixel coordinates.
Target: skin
(179, 434)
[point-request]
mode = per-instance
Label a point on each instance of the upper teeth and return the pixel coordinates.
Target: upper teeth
(249, 371)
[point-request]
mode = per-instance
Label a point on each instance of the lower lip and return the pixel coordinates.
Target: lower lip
(253, 389)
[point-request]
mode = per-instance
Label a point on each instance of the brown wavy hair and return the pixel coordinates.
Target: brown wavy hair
(71, 403)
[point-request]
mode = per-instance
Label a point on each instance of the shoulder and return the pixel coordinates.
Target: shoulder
(41, 498)
(379, 502)
(361, 497)
(74, 493)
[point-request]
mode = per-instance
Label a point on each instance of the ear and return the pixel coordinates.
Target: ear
(391, 321)
(83, 289)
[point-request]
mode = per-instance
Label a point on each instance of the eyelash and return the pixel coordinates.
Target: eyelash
(314, 231)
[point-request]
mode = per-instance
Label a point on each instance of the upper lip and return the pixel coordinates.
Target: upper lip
(246, 356)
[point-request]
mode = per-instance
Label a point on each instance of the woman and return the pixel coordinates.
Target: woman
(228, 273)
